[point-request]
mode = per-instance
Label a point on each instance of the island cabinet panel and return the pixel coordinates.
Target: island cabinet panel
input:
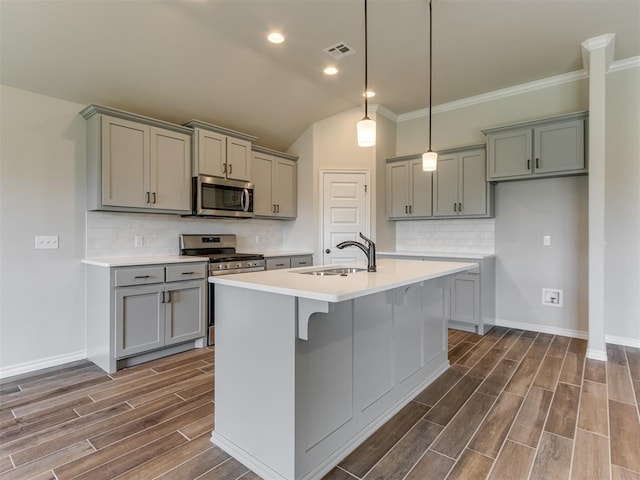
(365, 358)
(373, 348)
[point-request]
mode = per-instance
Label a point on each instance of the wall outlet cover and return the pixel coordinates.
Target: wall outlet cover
(46, 242)
(552, 297)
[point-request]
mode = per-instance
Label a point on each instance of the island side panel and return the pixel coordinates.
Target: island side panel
(364, 361)
(255, 374)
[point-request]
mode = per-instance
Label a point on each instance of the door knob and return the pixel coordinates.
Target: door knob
(328, 250)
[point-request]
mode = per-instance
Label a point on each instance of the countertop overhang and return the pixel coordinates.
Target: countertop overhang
(391, 274)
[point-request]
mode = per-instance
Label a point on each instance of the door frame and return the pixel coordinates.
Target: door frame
(321, 177)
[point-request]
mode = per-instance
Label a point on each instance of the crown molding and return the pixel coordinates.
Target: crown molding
(384, 111)
(617, 66)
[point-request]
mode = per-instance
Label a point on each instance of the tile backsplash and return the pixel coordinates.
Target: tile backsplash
(452, 236)
(113, 234)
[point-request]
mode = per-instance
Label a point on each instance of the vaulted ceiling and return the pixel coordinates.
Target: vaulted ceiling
(209, 59)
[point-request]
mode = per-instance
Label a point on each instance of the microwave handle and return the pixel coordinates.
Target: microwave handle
(244, 200)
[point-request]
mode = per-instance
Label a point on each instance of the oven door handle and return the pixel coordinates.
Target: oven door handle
(244, 200)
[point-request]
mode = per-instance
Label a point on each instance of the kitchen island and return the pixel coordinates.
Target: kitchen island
(308, 366)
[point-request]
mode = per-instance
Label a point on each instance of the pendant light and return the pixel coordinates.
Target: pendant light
(430, 158)
(366, 127)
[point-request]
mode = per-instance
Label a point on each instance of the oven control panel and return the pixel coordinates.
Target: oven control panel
(236, 266)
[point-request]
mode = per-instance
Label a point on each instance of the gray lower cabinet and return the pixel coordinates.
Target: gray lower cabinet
(136, 314)
(293, 261)
(472, 303)
(543, 148)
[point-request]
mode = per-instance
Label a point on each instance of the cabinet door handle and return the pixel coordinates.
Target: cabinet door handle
(455, 207)
(537, 163)
(142, 276)
(302, 263)
(277, 208)
(162, 300)
(459, 207)
(410, 208)
(279, 264)
(406, 209)
(273, 208)
(147, 198)
(188, 273)
(224, 168)
(154, 197)
(230, 169)
(528, 164)
(168, 297)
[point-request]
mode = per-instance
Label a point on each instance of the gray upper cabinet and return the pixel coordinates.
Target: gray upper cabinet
(409, 188)
(220, 152)
(275, 178)
(135, 163)
(544, 148)
(460, 188)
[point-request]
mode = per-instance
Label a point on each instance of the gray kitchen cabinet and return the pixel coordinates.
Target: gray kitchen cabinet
(220, 152)
(409, 188)
(275, 178)
(472, 303)
(138, 313)
(538, 149)
(136, 164)
(460, 188)
(288, 261)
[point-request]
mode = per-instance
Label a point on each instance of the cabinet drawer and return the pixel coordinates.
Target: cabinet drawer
(191, 271)
(138, 276)
(305, 261)
(277, 263)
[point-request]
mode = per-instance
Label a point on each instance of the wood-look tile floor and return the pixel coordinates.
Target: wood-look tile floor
(514, 405)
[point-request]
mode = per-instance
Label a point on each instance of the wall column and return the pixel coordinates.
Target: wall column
(597, 55)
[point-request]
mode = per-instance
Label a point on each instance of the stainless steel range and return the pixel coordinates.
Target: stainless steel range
(223, 260)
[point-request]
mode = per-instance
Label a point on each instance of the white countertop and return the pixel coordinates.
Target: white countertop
(132, 261)
(391, 274)
(471, 256)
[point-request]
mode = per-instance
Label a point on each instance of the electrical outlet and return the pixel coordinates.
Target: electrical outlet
(552, 297)
(46, 241)
(138, 241)
(546, 240)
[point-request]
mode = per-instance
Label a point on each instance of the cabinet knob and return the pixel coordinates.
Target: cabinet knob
(328, 250)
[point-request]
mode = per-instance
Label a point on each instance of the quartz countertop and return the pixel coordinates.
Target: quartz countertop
(463, 255)
(334, 288)
(132, 261)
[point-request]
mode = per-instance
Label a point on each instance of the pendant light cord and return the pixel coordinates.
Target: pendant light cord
(366, 56)
(430, 66)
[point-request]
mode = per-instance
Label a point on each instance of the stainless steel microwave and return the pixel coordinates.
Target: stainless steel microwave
(220, 197)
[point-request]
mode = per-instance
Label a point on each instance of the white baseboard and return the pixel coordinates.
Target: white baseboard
(596, 354)
(535, 327)
(28, 367)
(624, 341)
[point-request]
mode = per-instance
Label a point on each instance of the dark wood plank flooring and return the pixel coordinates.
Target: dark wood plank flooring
(514, 405)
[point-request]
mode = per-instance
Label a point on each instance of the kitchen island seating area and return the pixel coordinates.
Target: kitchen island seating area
(514, 404)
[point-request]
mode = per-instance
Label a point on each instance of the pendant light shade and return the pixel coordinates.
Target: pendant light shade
(366, 132)
(430, 158)
(366, 128)
(429, 161)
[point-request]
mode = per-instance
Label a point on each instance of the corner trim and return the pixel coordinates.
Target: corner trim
(596, 355)
(32, 366)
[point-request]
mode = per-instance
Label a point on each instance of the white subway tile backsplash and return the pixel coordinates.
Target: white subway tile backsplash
(452, 236)
(113, 234)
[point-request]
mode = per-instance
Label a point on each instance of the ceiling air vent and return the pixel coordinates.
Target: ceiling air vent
(340, 50)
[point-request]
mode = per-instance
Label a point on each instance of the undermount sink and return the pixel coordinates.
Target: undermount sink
(333, 271)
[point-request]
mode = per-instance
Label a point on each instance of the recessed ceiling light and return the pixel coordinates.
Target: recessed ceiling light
(276, 37)
(369, 94)
(330, 70)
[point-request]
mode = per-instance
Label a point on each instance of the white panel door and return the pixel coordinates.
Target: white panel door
(345, 213)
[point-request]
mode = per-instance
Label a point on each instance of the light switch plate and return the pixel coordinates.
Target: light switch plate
(46, 242)
(546, 240)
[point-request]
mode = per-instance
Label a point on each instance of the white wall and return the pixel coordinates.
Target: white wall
(622, 206)
(42, 178)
